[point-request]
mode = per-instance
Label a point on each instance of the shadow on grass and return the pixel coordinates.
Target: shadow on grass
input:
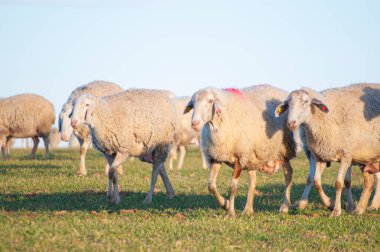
(269, 201)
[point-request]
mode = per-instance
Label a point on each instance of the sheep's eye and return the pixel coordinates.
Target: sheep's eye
(87, 105)
(210, 101)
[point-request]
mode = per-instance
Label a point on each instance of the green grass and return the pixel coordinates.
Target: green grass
(44, 206)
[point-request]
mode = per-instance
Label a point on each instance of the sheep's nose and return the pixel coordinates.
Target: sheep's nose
(74, 123)
(292, 125)
(195, 123)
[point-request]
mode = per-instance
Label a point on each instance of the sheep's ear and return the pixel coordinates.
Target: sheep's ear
(189, 107)
(281, 109)
(217, 108)
(320, 105)
(88, 114)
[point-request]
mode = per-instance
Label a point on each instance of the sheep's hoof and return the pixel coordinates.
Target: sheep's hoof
(117, 200)
(226, 205)
(230, 215)
(32, 157)
(350, 208)
(248, 211)
(302, 204)
(373, 207)
(284, 209)
(359, 211)
(336, 213)
(171, 195)
(82, 173)
(331, 205)
(148, 200)
(47, 156)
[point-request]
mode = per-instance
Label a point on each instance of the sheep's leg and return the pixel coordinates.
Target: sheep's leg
(214, 171)
(3, 144)
(233, 187)
(172, 156)
(35, 146)
(376, 198)
(326, 201)
(113, 186)
(153, 180)
(248, 210)
(345, 163)
(204, 162)
(288, 173)
(165, 179)
(182, 154)
(83, 146)
(302, 203)
(46, 144)
(366, 193)
(350, 198)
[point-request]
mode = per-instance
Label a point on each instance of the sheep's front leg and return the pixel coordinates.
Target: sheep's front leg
(83, 143)
(288, 174)
(248, 210)
(326, 201)
(233, 187)
(366, 193)
(3, 144)
(36, 141)
(302, 203)
(376, 198)
(350, 198)
(344, 165)
(113, 186)
(46, 144)
(214, 171)
(182, 154)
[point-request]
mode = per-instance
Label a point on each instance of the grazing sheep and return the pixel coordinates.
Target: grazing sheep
(138, 123)
(343, 125)
(239, 129)
(184, 135)
(23, 116)
(82, 133)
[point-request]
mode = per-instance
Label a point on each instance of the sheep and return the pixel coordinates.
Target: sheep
(54, 138)
(184, 135)
(238, 128)
(138, 122)
(96, 88)
(342, 125)
(23, 116)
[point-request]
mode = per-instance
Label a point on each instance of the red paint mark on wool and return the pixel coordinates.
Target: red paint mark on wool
(234, 91)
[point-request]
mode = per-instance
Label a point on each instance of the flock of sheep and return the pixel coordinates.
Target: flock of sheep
(258, 128)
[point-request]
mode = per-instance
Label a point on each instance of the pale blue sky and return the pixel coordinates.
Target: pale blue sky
(51, 47)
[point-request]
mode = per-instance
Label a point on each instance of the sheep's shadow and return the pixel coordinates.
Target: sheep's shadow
(371, 109)
(269, 201)
(269, 118)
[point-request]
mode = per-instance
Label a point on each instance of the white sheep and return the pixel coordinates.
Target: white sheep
(343, 125)
(23, 116)
(239, 129)
(185, 135)
(138, 123)
(82, 133)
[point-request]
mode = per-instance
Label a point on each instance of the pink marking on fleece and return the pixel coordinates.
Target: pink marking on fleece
(234, 91)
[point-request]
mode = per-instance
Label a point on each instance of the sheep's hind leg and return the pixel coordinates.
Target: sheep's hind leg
(113, 186)
(35, 146)
(248, 210)
(366, 193)
(375, 204)
(288, 174)
(182, 154)
(165, 179)
(153, 181)
(214, 171)
(46, 144)
(350, 198)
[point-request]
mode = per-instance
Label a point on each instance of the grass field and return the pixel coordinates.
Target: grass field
(44, 206)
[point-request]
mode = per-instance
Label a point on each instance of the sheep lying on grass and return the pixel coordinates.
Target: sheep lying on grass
(184, 135)
(139, 123)
(23, 116)
(82, 133)
(343, 125)
(239, 129)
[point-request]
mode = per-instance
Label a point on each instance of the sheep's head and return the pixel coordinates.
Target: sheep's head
(82, 111)
(206, 104)
(64, 122)
(301, 106)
